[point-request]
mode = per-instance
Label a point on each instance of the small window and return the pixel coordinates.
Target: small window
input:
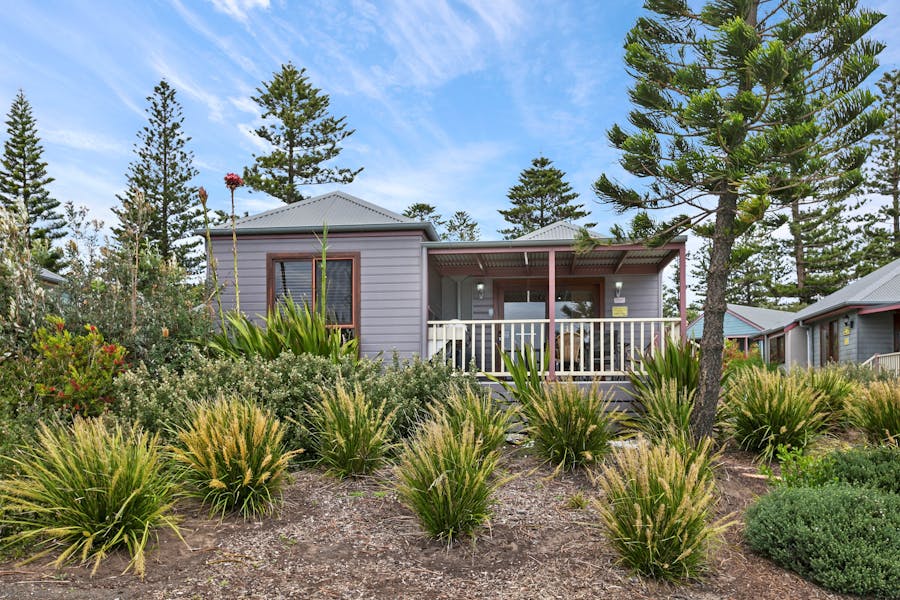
(776, 350)
(301, 279)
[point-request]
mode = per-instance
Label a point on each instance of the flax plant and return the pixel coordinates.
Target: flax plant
(658, 507)
(88, 489)
(232, 457)
(352, 434)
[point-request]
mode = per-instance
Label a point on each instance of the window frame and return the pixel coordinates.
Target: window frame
(777, 349)
(275, 257)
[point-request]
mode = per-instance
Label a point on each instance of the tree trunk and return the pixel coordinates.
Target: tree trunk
(713, 341)
(803, 294)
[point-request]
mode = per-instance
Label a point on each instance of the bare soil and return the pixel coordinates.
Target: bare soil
(353, 539)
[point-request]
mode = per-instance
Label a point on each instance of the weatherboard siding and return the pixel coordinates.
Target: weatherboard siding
(390, 279)
(876, 334)
(733, 326)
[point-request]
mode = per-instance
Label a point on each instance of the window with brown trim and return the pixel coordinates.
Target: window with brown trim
(776, 350)
(300, 277)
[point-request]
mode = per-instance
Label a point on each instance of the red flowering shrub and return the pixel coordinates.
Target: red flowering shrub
(233, 181)
(75, 372)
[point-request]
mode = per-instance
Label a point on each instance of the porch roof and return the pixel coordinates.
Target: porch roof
(532, 256)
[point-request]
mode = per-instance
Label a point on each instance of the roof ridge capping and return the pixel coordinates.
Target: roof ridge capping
(379, 210)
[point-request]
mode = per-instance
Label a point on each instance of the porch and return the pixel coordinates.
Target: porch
(585, 315)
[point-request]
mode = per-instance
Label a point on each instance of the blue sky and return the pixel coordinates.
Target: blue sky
(450, 99)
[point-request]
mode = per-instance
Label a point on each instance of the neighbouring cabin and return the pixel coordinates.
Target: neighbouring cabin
(743, 324)
(396, 288)
(859, 323)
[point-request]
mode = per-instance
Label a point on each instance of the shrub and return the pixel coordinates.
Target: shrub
(410, 386)
(351, 433)
(288, 327)
(834, 388)
(91, 489)
(658, 509)
(489, 420)
(877, 468)
(75, 372)
(766, 409)
(734, 359)
(843, 538)
(665, 411)
(674, 360)
(570, 426)
(876, 410)
(445, 478)
(232, 456)
(285, 386)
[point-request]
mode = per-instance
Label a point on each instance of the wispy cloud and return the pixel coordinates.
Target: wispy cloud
(183, 83)
(223, 42)
(239, 9)
(85, 140)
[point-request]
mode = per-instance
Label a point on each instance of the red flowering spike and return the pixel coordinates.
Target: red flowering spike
(233, 181)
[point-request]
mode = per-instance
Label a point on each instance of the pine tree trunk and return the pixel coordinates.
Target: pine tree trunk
(713, 341)
(803, 294)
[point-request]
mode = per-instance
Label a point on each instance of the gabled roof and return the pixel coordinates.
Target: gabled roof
(763, 318)
(49, 276)
(561, 230)
(340, 211)
(878, 287)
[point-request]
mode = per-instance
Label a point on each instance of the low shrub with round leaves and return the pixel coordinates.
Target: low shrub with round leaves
(844, 538)
(232, 458)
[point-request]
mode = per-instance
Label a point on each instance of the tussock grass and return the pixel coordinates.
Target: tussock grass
(88, 489)
(764, 410)
(489, 420)
(571, 426)
(446, 478)
(876, 410)
(232, 457)
(657, 509)
(352, 434)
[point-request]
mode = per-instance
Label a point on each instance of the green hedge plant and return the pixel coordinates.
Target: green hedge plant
(844, 538)
(88, 489)
(870, 467)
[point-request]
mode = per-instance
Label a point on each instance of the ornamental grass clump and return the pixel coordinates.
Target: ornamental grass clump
(232, 456)
(658, 509)
(571, 426)
(664, 412)
(88, 489)
(489, 420)
(835, 388)
(446, 478)
(764, 410)
(352, 434)
(876, 411)
(674, 360)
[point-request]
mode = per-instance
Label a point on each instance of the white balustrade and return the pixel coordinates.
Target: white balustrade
(888, 363)
(584, 347)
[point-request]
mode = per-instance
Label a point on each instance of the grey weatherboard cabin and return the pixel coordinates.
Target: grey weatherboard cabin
(393, 285)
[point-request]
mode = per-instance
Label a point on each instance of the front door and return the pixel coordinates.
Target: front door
(829, 342)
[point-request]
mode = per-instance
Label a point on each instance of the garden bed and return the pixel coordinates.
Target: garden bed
(352, 539)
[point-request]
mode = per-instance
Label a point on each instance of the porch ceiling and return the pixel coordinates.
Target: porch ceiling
(507, 262)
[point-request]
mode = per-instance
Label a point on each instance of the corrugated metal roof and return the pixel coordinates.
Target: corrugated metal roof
(561, 230)
(334, 208)
(878, 287)
(765, 318)
(51, 277)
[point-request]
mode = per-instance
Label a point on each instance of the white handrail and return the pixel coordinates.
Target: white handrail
(885, 362)
(584, 346)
